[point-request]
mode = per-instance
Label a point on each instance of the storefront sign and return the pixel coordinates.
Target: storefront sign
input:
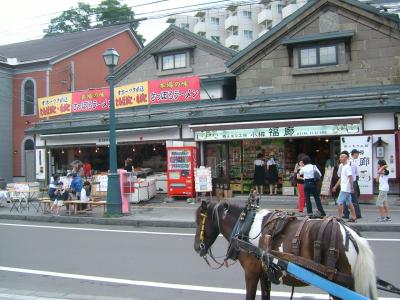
(364, 161)
(174, 90)
(103, 141)
(54, 105)
(91, 100)
(278, 132)
(131, 95)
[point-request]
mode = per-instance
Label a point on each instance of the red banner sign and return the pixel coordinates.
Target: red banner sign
(174, 90)
(91, 100)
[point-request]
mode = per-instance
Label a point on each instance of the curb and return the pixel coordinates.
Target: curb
(101, 221)
(162, 223)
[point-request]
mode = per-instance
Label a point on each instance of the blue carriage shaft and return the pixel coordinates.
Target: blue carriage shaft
(320, 282)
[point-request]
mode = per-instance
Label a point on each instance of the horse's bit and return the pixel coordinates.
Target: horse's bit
(202, 230)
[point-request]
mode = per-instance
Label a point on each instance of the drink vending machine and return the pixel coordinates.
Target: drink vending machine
(181, 162)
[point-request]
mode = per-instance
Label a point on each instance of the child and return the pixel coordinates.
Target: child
(85, 193)
(61, 195)
(381, 202)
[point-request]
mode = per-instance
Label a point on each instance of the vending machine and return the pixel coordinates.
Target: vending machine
(181, 162)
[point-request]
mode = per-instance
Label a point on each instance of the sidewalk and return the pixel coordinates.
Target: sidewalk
(164, 212)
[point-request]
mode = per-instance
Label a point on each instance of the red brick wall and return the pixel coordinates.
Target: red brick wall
(90, 72)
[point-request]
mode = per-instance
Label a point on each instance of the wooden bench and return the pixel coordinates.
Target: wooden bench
(45, 204)
(75, 204)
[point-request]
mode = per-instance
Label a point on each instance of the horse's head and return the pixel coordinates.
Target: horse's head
(207, 227)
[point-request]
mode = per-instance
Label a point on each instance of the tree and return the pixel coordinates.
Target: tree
(73, 19)
(84, 17)
(111, 12)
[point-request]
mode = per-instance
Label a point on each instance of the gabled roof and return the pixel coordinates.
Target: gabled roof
(297, 18)
(53, 48)
(155, 46)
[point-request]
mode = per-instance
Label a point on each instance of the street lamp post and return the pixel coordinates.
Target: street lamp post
(114, 204)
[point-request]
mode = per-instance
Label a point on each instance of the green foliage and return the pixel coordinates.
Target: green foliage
(113, 12)
(84, 17)
(73, 19)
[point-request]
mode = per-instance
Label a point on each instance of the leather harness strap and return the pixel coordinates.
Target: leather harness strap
(296, 241)
(318, 241)
(333, 252)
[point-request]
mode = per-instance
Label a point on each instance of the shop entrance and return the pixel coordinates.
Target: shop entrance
(232, 162)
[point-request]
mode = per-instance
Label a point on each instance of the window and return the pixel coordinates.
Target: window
(234, 47)
(280, 8)
(214, 21)
(185, 26)
(174, 61)
(28, 97)
(247, 14)
(248, 34)
(318, 56)
(202, 33)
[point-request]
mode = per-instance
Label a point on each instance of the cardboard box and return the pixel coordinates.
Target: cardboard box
(288, 191)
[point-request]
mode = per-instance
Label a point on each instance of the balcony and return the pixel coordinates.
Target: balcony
(199, 27)
(231, 21)
(264, 15)
(289, 9)
(232, 40)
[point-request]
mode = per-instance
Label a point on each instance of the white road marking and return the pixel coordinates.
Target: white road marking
(197, 288)
(142, 232)
(24, 297)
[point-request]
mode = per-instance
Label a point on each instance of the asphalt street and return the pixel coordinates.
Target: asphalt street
(50, 261)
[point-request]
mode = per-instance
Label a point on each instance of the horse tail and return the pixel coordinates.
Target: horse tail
(364, 270)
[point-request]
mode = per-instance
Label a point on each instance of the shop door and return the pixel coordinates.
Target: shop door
(216, 157)
(30, 165)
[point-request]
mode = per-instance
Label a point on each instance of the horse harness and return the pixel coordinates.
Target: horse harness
(274, 225)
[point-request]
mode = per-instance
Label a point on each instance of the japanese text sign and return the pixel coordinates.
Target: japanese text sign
(277, 132)
(131, 95)
(55, 105)
(174, 90)
(91, 100)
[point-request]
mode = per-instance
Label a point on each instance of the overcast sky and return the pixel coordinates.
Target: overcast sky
(22, 20)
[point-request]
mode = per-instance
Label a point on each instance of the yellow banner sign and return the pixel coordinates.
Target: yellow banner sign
(131, 95)
(55, 105)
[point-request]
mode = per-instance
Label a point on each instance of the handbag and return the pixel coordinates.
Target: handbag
(317, 175)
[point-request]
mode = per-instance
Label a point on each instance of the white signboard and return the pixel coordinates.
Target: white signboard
(278, 132)
(364, 161)
(202, 179)
(103, 183)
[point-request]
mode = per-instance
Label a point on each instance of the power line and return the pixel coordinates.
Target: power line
(153, 12)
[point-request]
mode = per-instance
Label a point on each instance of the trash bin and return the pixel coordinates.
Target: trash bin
(3, 184)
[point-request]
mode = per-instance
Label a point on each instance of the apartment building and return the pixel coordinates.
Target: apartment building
(237, 25)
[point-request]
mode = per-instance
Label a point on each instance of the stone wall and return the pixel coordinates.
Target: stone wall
(373, 59)
(202, 63)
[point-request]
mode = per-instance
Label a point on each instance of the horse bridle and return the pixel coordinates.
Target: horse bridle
(203, 218)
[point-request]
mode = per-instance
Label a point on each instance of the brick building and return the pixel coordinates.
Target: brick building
(49, 66)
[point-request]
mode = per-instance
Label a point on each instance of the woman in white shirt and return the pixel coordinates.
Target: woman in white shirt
(310, 186)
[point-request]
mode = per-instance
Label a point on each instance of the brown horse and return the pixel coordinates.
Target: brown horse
(215, 218)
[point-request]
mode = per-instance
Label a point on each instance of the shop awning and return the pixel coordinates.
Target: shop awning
(161, 133)
(278, 123)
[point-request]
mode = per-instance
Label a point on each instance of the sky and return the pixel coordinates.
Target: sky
(22, 20)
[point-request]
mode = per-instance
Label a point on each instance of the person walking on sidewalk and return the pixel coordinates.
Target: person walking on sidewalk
(346, 187)
(354, 196)
(300, 184)
(310, 186)
(259, 174)
(382, 202)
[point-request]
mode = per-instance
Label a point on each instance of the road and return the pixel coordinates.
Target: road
(52, 261)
